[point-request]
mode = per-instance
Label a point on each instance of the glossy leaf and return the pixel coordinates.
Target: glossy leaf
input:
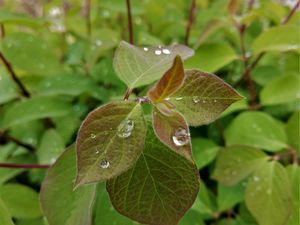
(60, 203)
(169, 83)
(292, 131)
(284, 89)
(5, 218)
(173, 131)
(203, 97)
(268, 195)
(109, 141)
(21, 201)
(160, 187)
(281, 38)
(235, 163)
(137, 66)
(35, 108)
(8, 89)
(258, 130)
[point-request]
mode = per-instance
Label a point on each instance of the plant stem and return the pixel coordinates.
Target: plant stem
(2, 30)
(9, 68)
(127, 93)
(7, 137)
(87, 9)
(24, 166)
(190, 22)
(291, 13)
(130, 28)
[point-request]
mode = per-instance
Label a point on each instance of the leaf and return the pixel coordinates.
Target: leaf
(203, 97)
(21, 201)
(264, 74)
(269, 188)
(292, 131)
(60, 203)
(284, 89)
(160, 187)
(228, 197)
(258, 130)
(169, 83)
(39, 221)
(30, 53)
(192, 217)
(137, 67)
(235, 163)
(110, 141)
(281, 38)
(52, 145)
(211, 57)
(174, 132)
(5, 218)
(293, 172)
(38, 107)
(204, 151)
(8, 89)
(7, 17)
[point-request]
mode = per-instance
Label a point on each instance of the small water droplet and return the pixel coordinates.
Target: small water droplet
(178, 98)
(146, 49)
(97, 152)
(204, 101)
(255, 178)
(181, 137)
(93, 136)
(125, 128)
(104, 164)
(167, 99)
(166, 51)
(196, 99)
(215, 100)
(159, 46)
(157, 52)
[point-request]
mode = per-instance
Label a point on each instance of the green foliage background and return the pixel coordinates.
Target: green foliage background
(247, 159)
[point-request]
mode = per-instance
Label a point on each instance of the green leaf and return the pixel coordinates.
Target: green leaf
(140, 66)
(21, 201)
(228, 197)
(204, 151)
(52, 145)
(60, 203)
(169, 83)
(293, 172)
(5, 218)
(192, 217)
(110, 141)
(292, 131)
(203, 97)
(174, 132)
(284, 89)
(281, 38)
(8, 89)
(211, 57)
(234, 107)
(268, 194)
(35, 108)
(256, 129)
(7, 17)
(235, 163)
(39, 221)
(30, 53)
(160, 187)
(265, 74)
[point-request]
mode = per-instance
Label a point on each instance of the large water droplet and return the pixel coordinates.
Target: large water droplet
(157, 52)
(104, 164)
(181, 137)
(166, 51)
(196, 99)
(93, 136)
(125, 128)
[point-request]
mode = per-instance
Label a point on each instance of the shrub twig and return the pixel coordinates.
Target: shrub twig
(190, 22)
(24, 166)
(130, 28)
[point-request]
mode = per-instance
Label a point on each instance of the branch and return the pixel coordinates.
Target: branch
(9, 68)
(2, 30)
(7, 137)
(130, 29)
(190, 22)
(24, 166)
(291, 13)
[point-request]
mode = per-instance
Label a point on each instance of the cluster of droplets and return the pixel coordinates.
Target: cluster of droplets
(125, 128)
(196, 99)
(181, 137)
(159, 51)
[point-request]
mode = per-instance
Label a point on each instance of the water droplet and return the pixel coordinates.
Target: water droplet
(215, 100)
(98, 43)
(97, 152)
(146, 49)
(167, 99)
(178, 98)
(255, 178)
(157, 52)
(196, 99)
(181, 137)
(125, 128)
(104, 164)
(93, 136)
(159, 46)
(204, 101)
(166, 51)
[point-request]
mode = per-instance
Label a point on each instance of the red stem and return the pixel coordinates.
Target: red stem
(190, 22)
(291, 13)
(130, 29)
(24, 166)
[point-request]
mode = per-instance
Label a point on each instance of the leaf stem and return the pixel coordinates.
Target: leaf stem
(127, 94)
(87, 13)
(190, 22)
(10, 69)
(291, 13)
(24, 166)
(130, 28)
(7, 137)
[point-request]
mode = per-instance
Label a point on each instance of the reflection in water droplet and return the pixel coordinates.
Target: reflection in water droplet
(93, 136)
(125, 128)
(157, 52)
(104, 164)
(196, 99)
(166, 51)
(178, 98)
(146, 49)
(181, 137)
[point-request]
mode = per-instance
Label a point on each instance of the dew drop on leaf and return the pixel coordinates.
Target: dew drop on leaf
(204, 101)
(97, 152)
(195, 99)
(178, 98)
(125, 128)
(104, 164)
(93, 136)
(157, 52)
(215, 100)
(166, 51)
(181, 137)
(146, 49)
